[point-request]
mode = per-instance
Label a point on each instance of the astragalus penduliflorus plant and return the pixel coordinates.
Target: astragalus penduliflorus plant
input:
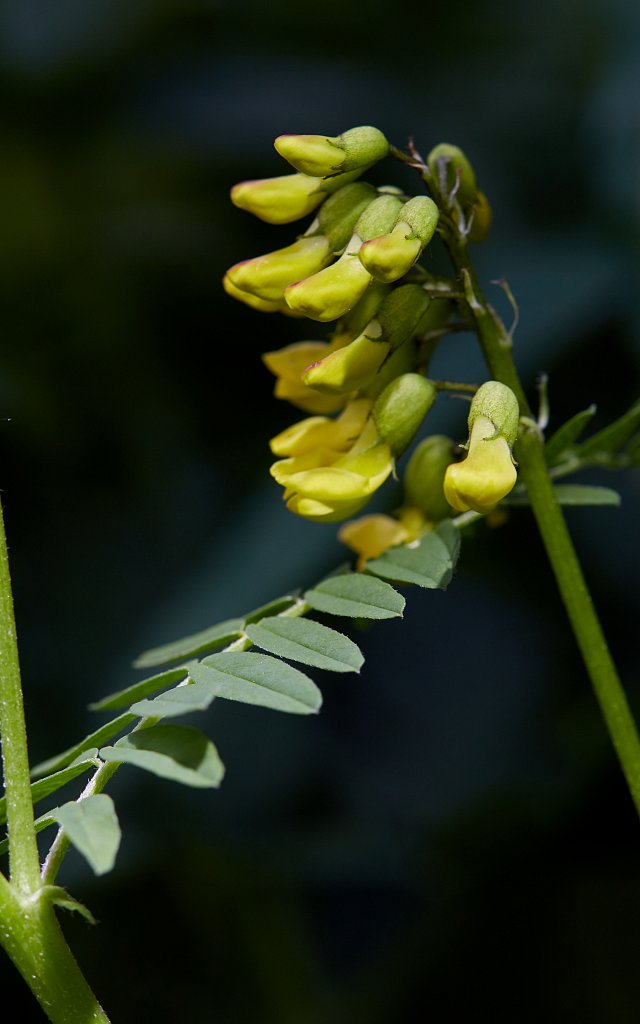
(367, 390)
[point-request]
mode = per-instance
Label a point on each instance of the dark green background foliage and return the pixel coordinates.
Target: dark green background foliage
(451, 835)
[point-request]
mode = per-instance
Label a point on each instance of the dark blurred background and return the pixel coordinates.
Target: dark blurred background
(451, 837)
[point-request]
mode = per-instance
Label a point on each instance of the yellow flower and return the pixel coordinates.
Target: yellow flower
(288, 364)
(486, 475)
(372, 535)
(320, 432)
(351, 366)
(323, 484)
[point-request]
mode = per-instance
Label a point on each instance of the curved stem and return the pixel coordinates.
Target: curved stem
(496, 346)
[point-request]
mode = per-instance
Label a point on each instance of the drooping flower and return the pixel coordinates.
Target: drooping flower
(372, 535)
(488, 473)
(288, 364)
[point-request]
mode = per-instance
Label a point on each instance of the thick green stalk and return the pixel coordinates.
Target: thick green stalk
(29, 930)
(496, 346)
(23, 851)
(33, 939)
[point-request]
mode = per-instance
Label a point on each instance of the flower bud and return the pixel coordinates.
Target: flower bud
(320, 155)
(388, 257)
(424, 477)
(366, 309)
(262, 305)
(371, 535)
(320, 432)
(450, 167)
(332, 292)
(279, 200)
(401, 313)
(487, 474)
(349, 368)
(399, 411)
(497, 403)
(379, 217)
(267, 276)
(338, 215)
(289, 363)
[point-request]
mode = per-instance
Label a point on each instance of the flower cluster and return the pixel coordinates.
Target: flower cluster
(364, 387)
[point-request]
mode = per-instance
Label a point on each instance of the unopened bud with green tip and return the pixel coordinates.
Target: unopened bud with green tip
(402, 312)
(488, 473)
(351, 367)
(497, 402)
(452, 173)
(379, 217)
(424, 477)
(267, 276)
(322, 155)
(399, 410)
(388, 257)
(288, 197)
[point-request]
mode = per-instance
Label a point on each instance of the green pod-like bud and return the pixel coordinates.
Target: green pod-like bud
(497, 403)
(366, 309)
(379, 217)
(390, 256)
(448, 164)
(339, 214)
(424, 477)
(401, 313)
(400, 409)
(322, 155)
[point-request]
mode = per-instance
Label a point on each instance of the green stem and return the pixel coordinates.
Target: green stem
(23, 850)
(496, 346)
(29, 930)
(33, 939)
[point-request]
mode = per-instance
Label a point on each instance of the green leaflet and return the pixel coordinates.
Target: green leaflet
(356, 595)
(261, 680)
(94, 739)
(308, 642)
(139, 690)
(181, 701)
(565, 436)
(60, 898)
(571, 494)
(189, 646)
(43, 787)
(279, 604)
(175, 752)
(428, 564)
(613, 437)
(92, 827)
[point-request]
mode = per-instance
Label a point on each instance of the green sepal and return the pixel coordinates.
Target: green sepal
(59, 897)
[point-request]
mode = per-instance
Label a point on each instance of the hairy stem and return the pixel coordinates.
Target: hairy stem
(23, 849)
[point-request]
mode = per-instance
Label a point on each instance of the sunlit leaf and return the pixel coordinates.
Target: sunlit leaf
(175, 752)
(427, 563)
(92, 827)
(43, 787)
(189, 646)
(94, 739)
(258, 679)
(356, 595)
(307, 642)
(139, 690)
(181, 701)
